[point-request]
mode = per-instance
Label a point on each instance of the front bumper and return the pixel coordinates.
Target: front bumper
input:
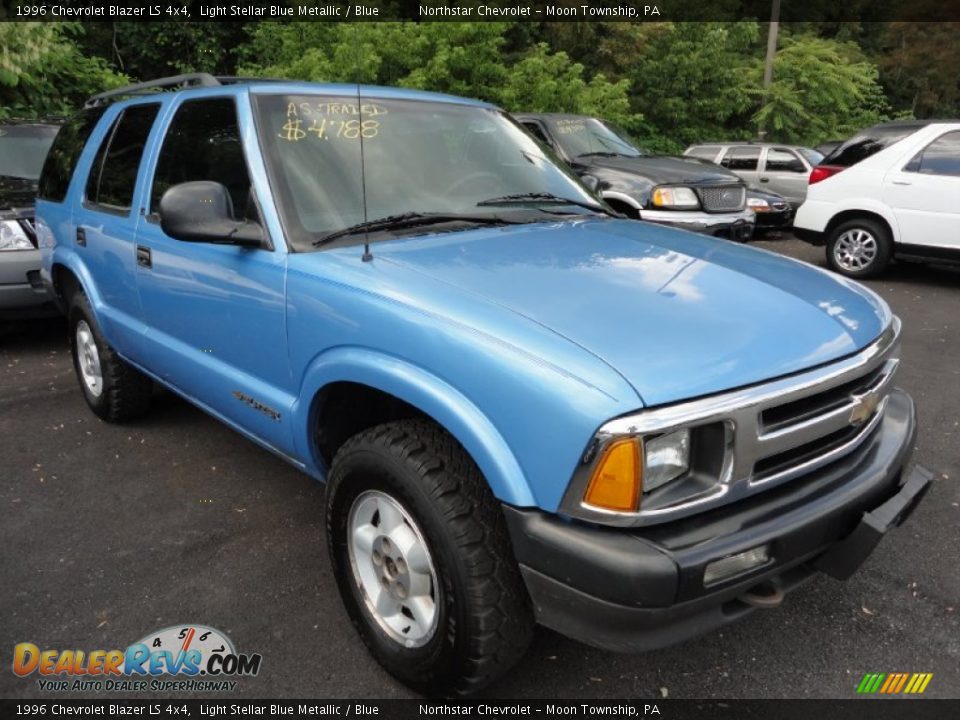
(22, 292)
(774, 218)
(734, 226)
(640, 590)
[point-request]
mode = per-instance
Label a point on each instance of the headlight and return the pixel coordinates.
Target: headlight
(12, 236)
(758, 204)
(679, 198)
(665, 458)
(632, 466)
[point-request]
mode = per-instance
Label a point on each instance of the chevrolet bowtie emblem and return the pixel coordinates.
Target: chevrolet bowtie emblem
(864, 406)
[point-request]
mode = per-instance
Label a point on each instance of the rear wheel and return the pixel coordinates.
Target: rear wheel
(423, 560)
(859, 248)
(114, 390)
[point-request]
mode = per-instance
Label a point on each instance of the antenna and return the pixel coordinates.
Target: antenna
(367, 255)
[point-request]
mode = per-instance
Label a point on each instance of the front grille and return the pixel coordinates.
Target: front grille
(722, 198)
(809, 407)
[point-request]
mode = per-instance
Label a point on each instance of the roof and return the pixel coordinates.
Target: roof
(203, 83)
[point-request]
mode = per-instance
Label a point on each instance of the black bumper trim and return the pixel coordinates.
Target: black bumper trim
(642, 589)
(814, 237)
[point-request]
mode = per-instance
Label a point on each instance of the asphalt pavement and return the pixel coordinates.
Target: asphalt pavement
(110, 532)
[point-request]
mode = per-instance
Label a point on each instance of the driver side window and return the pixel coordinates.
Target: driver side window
(203, 143)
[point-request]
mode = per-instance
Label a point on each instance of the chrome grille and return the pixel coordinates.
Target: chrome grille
(722, 198)
(776, 432)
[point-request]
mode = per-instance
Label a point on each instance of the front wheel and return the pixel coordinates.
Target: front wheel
(423, 561)
(859, 248)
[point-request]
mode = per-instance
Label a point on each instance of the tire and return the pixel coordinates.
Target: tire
(481, 620)
(859, 248)
(114, 390)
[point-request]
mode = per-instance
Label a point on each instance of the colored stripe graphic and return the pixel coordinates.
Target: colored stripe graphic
(894, 683)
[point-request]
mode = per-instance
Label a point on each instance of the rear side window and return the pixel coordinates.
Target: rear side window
(741, 158)
(113, 175)
(941, 157)
(870, 142)
(203, 143)
(64, 153)
(704, 152)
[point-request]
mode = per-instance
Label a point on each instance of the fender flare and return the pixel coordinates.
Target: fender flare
(71, 262)
(423, 390)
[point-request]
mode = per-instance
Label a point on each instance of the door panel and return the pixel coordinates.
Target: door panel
(924, 194)
(215, 314)
(106, 225)
(785, 173)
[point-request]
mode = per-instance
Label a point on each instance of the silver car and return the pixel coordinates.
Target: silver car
(23, 147)
(782, 169)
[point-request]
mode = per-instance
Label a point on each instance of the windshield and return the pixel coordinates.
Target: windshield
(23, 149)
(580, 136)
(417, 157)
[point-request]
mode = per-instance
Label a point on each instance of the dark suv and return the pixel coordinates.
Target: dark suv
(668, 190)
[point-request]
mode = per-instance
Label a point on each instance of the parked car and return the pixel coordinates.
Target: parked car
(773, 212)
(892, 191)
(783, 169)
(657, 188)
(526, 409)
(23, 147)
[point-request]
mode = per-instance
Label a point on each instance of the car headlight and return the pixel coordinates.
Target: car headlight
(633, 466)
(758, 204)
(12, 236)
(678, 198)
(666, 458)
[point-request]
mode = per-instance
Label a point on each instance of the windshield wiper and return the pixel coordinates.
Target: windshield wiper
(543, 198)
(411, 219)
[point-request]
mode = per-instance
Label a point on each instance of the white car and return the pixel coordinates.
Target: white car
(891, 191)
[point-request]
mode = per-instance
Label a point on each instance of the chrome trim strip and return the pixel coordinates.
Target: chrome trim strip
(740, 411)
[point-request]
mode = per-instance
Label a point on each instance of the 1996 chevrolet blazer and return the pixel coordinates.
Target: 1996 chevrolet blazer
(526, 408)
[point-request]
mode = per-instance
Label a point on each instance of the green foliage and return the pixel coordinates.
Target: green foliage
(43, 72)
(457, 58)
(692, 82)
(821, 89)
(670, 84)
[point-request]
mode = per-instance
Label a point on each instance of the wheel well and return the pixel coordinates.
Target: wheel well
(854, 215)
(65, 283)
(342, 409)
(623, 207)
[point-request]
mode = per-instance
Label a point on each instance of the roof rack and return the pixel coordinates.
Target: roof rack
(145, 88)
(177, 82)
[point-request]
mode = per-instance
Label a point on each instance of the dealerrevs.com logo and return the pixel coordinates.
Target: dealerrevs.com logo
(198, 657)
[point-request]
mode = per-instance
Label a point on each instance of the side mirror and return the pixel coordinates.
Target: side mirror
(202, 211)
(591, 182)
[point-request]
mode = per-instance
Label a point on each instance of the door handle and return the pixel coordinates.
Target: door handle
(81, 237)
(764, 179)
(143, 257)
(901, 182)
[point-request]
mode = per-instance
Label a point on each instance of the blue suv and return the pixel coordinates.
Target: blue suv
(527, 408)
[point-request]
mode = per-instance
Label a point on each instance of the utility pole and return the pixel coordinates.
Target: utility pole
(771, 54)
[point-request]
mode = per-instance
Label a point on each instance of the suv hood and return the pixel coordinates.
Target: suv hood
(16, 192)
(664, 169)
(678, 315)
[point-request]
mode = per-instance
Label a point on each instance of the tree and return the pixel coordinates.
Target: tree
(822, 89)
(43, 72)
(692, 82)
(458, 58)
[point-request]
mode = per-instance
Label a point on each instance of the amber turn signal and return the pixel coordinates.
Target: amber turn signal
(618, 480)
